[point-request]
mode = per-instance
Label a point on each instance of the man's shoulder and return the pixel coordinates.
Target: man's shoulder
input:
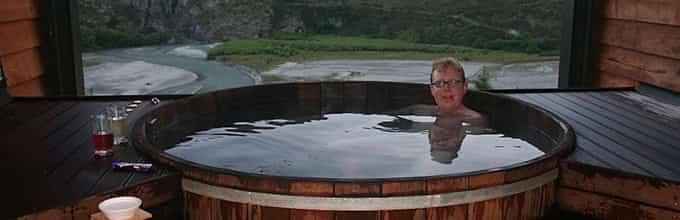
(475, 117)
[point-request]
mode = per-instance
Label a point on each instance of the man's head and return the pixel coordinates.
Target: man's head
(448, 84)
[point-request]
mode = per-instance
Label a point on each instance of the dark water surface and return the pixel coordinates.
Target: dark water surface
(354, 146)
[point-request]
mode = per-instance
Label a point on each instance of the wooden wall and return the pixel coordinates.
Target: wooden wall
(20, 42)
(639, 43)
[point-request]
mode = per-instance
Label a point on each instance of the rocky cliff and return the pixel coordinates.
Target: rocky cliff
(478, 23)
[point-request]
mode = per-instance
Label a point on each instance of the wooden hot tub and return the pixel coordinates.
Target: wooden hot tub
(293, 180)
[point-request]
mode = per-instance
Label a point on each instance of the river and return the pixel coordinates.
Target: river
(183, 69)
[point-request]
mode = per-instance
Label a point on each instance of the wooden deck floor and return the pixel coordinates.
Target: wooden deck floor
(626, 158)
(616, 131)
(49, 154)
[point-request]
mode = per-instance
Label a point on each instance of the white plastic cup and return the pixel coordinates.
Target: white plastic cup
(120, 208)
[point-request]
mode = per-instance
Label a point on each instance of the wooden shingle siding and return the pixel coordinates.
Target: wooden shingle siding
(660, 71)
(639, 42)
(23, 66)
(650, 11)
(20, 40)
(18, 36)
(14, 10)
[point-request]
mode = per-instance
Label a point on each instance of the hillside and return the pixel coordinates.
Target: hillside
(512, 25)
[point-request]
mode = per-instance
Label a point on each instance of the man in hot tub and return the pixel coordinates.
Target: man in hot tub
(448, 87)
(453, 119)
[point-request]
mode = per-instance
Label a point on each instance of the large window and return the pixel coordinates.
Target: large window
(196, 46)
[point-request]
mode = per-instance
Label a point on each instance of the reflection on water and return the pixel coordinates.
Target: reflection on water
(350, 145)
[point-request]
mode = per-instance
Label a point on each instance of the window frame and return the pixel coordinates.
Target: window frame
(579, 46)
(61, 47)
(65, 77)
(4, 95)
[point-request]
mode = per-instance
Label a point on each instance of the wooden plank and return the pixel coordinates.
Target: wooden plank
(32, 88)
(272, 213)
(655, 70)
(587, 150)
(649, 158)
(67, 118)
(19, 113)
(621, 184)
(599, 134)
(610, 80)
(37, 124)
(647, 122)
(12, 10)
(73, 121)
(446, 185)
(357, 190)
(512, 206)
(445, 213)
(486, 210)
(656, 39)
(79, 175)
(60, 175)
(235, 211)
(583, 156)
(620, 134)
(658, 11)
(153, 193)
(136, 178)
(209, 208)
(60, 152)
(311, 215)
(640, 109)
(81, 184)
(359, 215)
(404, 188)
(665, 110)
(18, 36)
(609, 8)
(625, 127)
(411, 214)
(116, 179)
(311, 188)
(22, 66)
(649, 128)
(486, 180)
(604, 207)
(652, 11)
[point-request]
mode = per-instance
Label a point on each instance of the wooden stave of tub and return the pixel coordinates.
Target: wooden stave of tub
(530, 204)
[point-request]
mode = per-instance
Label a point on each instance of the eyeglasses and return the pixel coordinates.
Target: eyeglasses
(454, 83)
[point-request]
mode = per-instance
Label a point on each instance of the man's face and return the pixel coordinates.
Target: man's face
(449, 96)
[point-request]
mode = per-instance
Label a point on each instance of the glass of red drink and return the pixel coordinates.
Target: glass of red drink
(102, 136)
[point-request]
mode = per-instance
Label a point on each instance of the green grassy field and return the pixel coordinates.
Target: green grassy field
(264, 54)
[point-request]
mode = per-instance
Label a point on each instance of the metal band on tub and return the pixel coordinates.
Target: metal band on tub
(367, 203)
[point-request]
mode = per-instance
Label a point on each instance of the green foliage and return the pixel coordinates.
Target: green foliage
(325, 43)
(291, 36)
(106, 38)
(483, 80)
(263, 54)
(523, 26)
(408, 36)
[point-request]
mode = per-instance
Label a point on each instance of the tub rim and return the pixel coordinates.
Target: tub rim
(187, 167)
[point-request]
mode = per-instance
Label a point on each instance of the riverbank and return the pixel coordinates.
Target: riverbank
(266, 54)
(104, 66)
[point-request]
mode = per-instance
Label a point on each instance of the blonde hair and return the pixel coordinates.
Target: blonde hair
(447, 62)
